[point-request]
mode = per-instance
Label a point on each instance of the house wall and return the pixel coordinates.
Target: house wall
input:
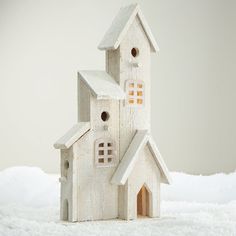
(97, 198)
(145, 172)
(83, 101)
(68, 185)
(113, 63)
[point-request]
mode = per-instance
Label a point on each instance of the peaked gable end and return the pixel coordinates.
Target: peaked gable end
(120, 26)
(128, 162)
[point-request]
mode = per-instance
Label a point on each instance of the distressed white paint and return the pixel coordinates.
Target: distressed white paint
(121, 24)
(149, 175)
(130, 158)
(102, 85)
(69, 188)
(96, 192)
(72, 135)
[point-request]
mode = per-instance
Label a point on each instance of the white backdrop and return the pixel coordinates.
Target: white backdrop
(43, 44)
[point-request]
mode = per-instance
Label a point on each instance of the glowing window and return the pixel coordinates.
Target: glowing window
(105, 152)
(135, 92)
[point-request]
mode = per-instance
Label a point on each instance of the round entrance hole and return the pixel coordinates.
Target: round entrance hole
(105, 116)
(134, 52)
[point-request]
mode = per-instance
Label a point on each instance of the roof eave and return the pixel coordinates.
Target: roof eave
(115, 44)
(72, 135)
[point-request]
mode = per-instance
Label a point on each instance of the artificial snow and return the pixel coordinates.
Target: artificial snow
(192, 205)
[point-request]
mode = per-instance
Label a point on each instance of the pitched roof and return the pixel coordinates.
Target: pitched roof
(120, 26)
(102, 85)
(127, 163)
(75, 133)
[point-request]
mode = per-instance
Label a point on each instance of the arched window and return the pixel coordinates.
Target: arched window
(135, 92)
(66, 167)
(105, 152)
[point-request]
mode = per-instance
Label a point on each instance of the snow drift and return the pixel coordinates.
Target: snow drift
(218, 188)
(30, 186)
(193, 205)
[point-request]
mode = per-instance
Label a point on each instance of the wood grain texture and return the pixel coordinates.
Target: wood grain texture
(130, 184)
(101, 85)
(72, 135)
(121, 24)
(128, 162)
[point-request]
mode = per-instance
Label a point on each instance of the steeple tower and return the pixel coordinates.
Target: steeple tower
(128, 44)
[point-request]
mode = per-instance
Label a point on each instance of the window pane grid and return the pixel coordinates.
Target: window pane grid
(135, 92)
(104, 152)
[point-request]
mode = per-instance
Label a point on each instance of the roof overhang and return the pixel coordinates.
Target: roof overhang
(71, 136)
(130, 158)
(120, 25)
(101, 85)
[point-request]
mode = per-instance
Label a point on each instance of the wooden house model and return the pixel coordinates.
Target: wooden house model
(110, 165)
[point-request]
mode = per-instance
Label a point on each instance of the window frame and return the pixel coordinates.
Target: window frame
(107, 149)
(133, 93)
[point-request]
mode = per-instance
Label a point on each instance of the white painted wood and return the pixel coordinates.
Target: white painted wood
(134, 118)
(69, 186)
(102, 85)
(121, 24)
(128, 161)
(72, 135)
(149, 176)
(84, 95)
(97, 197)
(140, 140)
(98, 192)
(159, 161)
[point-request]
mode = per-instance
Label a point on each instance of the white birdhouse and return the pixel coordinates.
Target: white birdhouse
(110, 165)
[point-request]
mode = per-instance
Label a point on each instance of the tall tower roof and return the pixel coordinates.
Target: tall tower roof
(120, 26)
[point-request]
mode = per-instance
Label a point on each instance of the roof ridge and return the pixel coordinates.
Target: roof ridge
(120, 26)
(140, 139)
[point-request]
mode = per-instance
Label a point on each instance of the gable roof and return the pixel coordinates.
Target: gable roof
(102, 85)
(72, 135)
(127, 163)
(120, 26)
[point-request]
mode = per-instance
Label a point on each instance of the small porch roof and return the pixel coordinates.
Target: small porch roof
(127, 163)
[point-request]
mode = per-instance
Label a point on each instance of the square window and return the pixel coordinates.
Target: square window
(101, 152)
(105, 152)
(135, 93)
(139, 93)
(139, 101)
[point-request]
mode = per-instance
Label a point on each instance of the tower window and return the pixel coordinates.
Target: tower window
(135, 92)
(105, 152)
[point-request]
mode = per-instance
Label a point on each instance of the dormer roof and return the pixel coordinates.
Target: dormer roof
(101, 85)
(120, 26)
(130, 158)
